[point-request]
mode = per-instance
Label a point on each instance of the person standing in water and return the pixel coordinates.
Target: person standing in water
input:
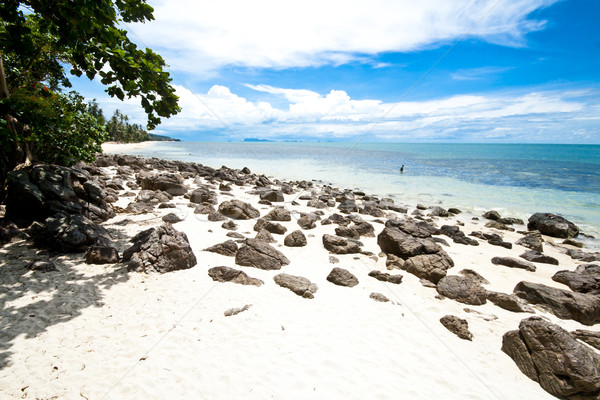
(402, 169)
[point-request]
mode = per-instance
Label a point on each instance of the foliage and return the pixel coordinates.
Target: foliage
(120, 130)
(62, 130)
(86, 35)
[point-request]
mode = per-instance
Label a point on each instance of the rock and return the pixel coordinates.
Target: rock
(171, 218)
(342, 277)
(511, 221)
(532, 241)
(345, 231)
(272, 196)
(102, 255)
(216, 217)
(265, 236)
(585, 278)
(139, 208)
(257, 254)
(499, 225)
(469, 273)
(166, 205)
(203, 196)
(458, 326)
(513, 263)
(73, 233)
(364, 229)
(161, 249)
(573, 242)
(348, 206)
(275, 228)
(590, 337)
(297, 284)
(339, 245)
(333, 260)
(536, 256)
(565, 304)
(492, 215)
(40, 191)
(431, 267)
(170, 183)
(385, 277)
(437, 211)
(151, 196)
(549, 355)
(509, 302)
(577, 254)
(552, 225)
(237, 209)
(379, 297)
(234, 311)
(229, 225)
(205, 209)
(42, 266)
(395, 241)
(419, 229)
(235, 235)
(228, 248)
(457, 235)
(295, 239)
(278, 214)
(455, 211)
(393, 262)
(462, 289)
(307, 221)
(226, 274)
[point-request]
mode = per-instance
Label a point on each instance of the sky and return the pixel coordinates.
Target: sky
(515, 71)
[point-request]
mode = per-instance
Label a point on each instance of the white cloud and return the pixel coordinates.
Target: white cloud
(205, 35)
(336, 115)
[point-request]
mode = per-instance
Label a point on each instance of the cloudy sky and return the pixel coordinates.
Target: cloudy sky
(382, 70)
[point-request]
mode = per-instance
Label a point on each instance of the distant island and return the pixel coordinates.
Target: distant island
(257, 140)
(161, 138)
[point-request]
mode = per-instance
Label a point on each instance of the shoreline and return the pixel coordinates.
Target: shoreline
(99, 330)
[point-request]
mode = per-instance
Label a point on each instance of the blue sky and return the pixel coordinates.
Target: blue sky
(440, 70)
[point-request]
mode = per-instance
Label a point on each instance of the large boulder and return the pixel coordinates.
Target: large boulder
(40, 191)
(258, 254)
(585, 278)
(463, 289)
(170, 183)
(161, 249)
(552, 225)
(237, 209)
(72, 233)
(226, 274)
(203, 196)
(420, 229)
(394, 241)
(551, 356)
(278, 214)
(565, 304)
(297, 284)
(431, 267)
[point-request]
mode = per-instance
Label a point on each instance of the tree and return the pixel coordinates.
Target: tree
(38, 37)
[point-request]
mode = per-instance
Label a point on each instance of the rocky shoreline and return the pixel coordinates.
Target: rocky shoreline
(146, 216)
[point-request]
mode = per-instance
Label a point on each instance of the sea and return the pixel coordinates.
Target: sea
(517, 180)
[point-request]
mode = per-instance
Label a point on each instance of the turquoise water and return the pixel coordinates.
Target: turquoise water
(515, 179)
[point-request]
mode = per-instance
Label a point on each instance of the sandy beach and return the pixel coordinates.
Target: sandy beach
(100, 332)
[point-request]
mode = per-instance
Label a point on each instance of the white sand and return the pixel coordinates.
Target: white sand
(98, 332)
(111, 147)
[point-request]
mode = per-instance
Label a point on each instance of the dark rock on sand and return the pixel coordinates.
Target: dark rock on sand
(385, 277)
(226, 274)
(536, 256)
(295, 239)
(457, 235)
(462, 289)
(203, 196)
(437, 211)
(509, 302)
(258, 254)
(171, 218)
(552, 225)
(339, 245)
(102, 255)
(237, 209)
(40, 191)
(342, 277)
(229, 225)
(565, 304)
(170, 183)
(42, 266)
(492, 215)
(395, 241)
(549, 355)
(590, 337)
(205, 209)
(216, 217)
(513, 263)
(265, 236)
(379, 297)
(308, 221)
(73, 233)
(419, 229)
(273, 196)
(228, 248)
(431, 267)
(585, 278)
(458, 326)
(297, 284)
(532, 240)
(278, 214)
(499, 225)
(161, 249)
